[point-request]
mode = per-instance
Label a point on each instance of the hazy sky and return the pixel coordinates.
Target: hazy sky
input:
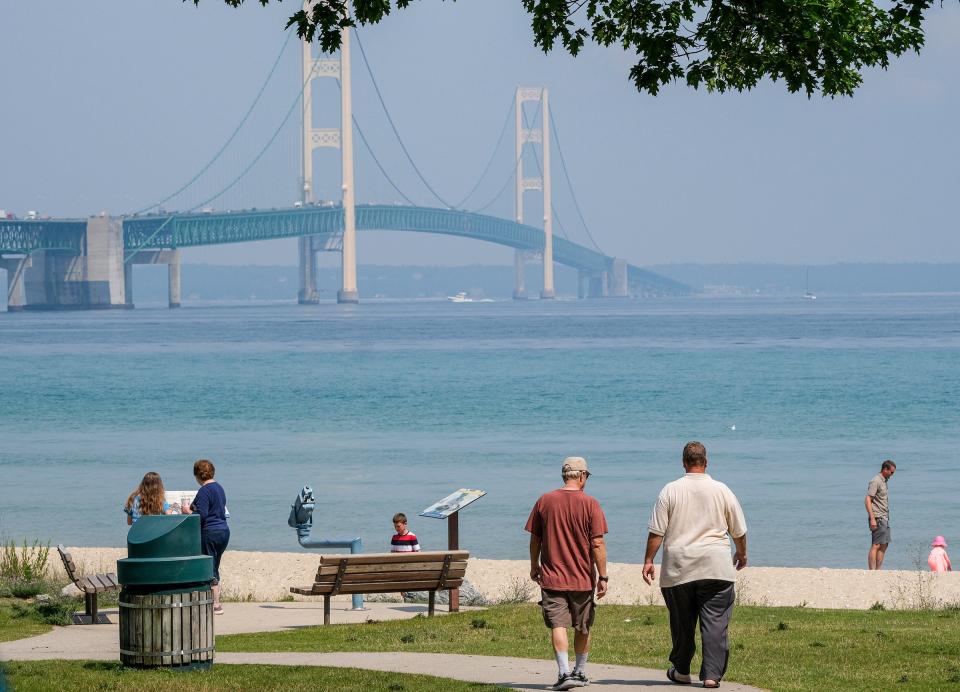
(113, 104)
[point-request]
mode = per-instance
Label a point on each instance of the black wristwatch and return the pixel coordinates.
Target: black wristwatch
(603, 578)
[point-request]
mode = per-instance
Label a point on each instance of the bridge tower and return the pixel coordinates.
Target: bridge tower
(534, 135)
(338, 138)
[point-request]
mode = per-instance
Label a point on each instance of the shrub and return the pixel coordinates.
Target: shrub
(28, 564)
(56, 610)
(877, 605)
(25, 589)
(517, 591)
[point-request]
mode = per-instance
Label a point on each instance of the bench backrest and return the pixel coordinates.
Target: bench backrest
(69, 565)
(385, 572)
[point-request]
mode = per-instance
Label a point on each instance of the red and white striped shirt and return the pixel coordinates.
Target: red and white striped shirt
(407, 543)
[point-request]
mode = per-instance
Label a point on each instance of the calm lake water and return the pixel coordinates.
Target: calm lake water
(387, 407)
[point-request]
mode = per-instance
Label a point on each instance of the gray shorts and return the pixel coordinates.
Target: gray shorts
(881, 534)
(574, 609)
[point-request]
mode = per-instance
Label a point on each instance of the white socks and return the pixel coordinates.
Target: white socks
(562, 662)
(581, 663)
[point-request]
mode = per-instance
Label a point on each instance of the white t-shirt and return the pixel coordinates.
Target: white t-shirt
(694, 514)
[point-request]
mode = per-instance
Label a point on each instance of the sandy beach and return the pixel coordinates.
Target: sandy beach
(267, 576)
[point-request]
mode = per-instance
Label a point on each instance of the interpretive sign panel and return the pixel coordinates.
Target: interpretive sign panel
(452, 503)
(177, 499)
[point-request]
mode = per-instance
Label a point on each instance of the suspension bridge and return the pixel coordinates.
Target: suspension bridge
(88, 263)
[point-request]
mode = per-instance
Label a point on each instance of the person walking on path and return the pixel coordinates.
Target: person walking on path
(877, 502)
(568, 558)
(938, 560)
(211, 504)
(691, 520)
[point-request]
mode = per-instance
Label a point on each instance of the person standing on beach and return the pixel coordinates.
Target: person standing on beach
(877, 502)
(567, 551)
(211, 504)
(691, 520)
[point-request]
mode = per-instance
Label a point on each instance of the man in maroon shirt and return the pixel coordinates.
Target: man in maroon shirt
(566, 551)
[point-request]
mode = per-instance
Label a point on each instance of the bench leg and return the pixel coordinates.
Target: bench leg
(433, 602)
(326, 610)
(91, 607)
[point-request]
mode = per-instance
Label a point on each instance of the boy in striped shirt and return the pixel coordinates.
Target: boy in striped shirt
(403, 541)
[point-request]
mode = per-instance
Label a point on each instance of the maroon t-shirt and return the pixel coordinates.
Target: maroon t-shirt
(565, 521)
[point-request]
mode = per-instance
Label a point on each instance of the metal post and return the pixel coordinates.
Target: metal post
(348, 291)
(548, 291)
(453, 543)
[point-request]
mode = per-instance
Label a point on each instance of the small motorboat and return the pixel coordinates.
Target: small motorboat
(460, 298)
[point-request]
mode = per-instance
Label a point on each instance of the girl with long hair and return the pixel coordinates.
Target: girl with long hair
(146, 499)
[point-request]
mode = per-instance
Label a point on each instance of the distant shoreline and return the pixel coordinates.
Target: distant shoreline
(268, 576)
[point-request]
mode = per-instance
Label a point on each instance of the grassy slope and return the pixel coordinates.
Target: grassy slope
(18, 627)
(773, 648)
(36, 676)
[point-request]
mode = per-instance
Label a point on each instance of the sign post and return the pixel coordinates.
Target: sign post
(449, 508)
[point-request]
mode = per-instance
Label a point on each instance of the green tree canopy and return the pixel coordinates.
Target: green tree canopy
(814, 46)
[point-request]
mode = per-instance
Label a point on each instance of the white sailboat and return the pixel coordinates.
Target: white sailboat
(807, 295)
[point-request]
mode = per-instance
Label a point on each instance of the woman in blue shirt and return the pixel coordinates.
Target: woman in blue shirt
(211, 504)
(147, 498)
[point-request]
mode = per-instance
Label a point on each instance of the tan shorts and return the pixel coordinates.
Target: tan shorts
(568, 609)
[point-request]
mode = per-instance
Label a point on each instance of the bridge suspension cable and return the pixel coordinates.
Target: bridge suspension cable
(493, 155)
(516, 165)
(230, 139)
(394, 127)
(566, 175)
(237, 179)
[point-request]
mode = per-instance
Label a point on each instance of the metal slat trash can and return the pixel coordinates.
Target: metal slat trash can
(166, 605)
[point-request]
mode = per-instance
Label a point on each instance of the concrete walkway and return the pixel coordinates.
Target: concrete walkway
(100, 642)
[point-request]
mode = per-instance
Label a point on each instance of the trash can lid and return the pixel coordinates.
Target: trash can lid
(168, 535)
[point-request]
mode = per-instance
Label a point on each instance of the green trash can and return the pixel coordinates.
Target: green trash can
(166, 605)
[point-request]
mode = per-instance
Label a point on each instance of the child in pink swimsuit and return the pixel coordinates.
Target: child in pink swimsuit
(938, 560)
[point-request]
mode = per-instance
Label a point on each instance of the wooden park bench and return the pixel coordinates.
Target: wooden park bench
(91, 586)
(386, 573)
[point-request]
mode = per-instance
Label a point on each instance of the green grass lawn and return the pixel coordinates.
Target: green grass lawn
(13, 627)
(772, 648)
(35, 676)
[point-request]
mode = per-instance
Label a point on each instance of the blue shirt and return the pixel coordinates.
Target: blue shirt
(134, 509)
(211, 504)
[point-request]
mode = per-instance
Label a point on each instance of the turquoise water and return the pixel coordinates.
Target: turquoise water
(386, 407)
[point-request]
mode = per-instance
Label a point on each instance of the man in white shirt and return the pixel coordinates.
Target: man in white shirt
(691, 520)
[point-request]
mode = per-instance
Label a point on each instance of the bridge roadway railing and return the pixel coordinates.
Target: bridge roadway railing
(236, 227)
(189, 230)
(24, 236)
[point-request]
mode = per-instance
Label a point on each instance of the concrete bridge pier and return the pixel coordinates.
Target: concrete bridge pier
(519, 282)
(618, 284)
(16, 291)
(171, 258)
(90, 280)
(173, 279)
(307, 295)
(593, 284)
